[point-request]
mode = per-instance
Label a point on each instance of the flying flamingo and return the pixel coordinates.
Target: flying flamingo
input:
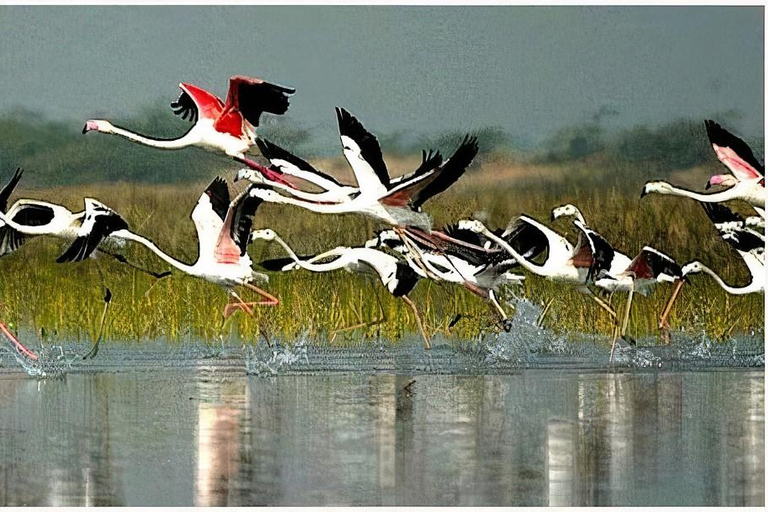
(613, 271)
(222, 232)
(747, 242)
(482, 272)
(396, 276)
(747, 181)
(566, 265)
(5, 193)
(396, 204)
(219, 126)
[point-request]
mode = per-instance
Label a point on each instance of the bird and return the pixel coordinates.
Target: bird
(747, 242)
(286, 163)
(482, 272)
(222, 231)
(747, 181)
(395, 204)
(614, 271)
(29, 218)
(565, 264)
(398, 278)
(219, 126)
(5, 194)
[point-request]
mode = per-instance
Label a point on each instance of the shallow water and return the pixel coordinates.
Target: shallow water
(495, 423)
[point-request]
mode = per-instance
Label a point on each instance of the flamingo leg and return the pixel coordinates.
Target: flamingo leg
(626, 312)
(415, 252)
(663, 324)
(265, 171)
(95, 349)
(246, 307)
(418, 321)
(505, 322)
(122, 259)
(540, 320)
(20, 348)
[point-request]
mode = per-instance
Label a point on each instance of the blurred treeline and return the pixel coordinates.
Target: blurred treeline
(56, 152)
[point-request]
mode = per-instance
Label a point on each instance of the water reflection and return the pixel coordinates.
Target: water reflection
(536, 438)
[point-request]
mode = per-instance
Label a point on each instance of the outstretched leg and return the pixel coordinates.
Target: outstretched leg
(505, 322)
(122, 259)
(20, 348)
(540, 320)
(247, 306)
(265, 171)
(663, 324)
(418, 321)
(95, 349)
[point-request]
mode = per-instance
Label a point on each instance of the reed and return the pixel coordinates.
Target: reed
(65, 301)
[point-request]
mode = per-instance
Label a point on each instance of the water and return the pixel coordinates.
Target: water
(500, 422)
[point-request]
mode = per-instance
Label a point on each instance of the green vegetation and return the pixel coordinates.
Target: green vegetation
(602, 173)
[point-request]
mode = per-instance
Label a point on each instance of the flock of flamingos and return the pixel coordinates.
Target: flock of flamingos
(407, 250)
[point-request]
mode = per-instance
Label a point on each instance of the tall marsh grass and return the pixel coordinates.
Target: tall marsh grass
(65, 301)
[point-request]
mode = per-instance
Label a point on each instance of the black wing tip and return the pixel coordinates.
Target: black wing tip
(718, 213)
(275, 264)
(407, 279)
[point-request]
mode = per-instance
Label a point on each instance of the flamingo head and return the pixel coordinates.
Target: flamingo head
(566, 210)
(724, 180)
(656, 187)
(250, 175)
(693, 267)
(263, 234)
(472, 225)
(98, 126)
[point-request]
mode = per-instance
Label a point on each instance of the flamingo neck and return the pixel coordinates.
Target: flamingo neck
(179, 143)
(310, 264)
(128, 235)
(730, 289)
(711, 198)
(531, 267)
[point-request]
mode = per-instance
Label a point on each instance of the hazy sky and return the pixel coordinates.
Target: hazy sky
(529, 70)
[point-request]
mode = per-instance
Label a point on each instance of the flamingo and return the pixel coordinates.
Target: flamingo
(397, 204)
(564, 264)
(219, 126)
(747, 242)
(28, 218)
(614, 271)
(747, 181)
(479, 271)
(396, 276)
(5, 193)
(222, 232)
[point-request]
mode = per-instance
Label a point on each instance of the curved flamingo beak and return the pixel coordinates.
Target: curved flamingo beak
(90, 126)
(714, 180)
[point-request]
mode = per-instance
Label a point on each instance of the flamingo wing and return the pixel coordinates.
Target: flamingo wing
(253, 96)
(362, 151)
(429, 161)
(733, 152)
(601, 253)
(7, 190)
(525, 239)
(100, 221)
(289, 163)
(25, 214)
(427, 183)
(196, 103)
(652, 264)
(209, 214)
(242, 219)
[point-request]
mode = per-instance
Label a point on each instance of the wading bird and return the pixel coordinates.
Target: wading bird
(747, 242)
(5, 193)
(613, 271)
(222, 232)
(396, 276)
(469, 264)
(747, 181)
(397, 204)
(219, 126)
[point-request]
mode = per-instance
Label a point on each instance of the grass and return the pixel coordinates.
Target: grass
(66, 300)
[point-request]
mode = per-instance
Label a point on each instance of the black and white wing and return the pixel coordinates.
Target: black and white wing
(288, 163)
(8, 189)
(429, 182)
(734, 153)
(24, 212)
(100, 222)
(243, 213)
(209, 214)
(653, 265)
(362, 151)
(253, 96)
